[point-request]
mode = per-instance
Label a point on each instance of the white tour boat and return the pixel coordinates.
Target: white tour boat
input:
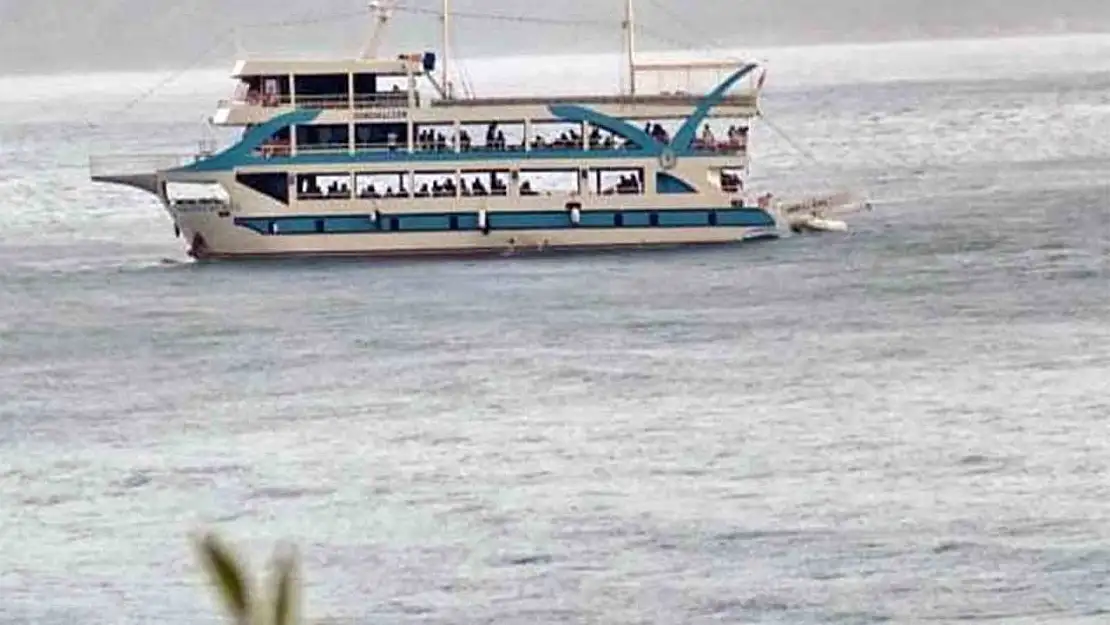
(351, 157)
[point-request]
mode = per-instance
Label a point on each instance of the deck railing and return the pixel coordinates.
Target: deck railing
(135, 164)
(387, 100)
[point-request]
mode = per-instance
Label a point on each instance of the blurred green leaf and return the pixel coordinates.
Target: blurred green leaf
(227, 575)
(284, 587)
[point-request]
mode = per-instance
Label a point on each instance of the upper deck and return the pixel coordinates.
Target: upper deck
(387, 90)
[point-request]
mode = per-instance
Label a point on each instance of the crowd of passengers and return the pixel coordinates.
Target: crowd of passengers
(446, 188)
(429, 140)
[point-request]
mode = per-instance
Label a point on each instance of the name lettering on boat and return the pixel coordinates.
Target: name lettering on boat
(200, 206)
(393, 113)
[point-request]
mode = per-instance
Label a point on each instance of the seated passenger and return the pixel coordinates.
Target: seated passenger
(659, 134)
(595, 138)
(708, 141)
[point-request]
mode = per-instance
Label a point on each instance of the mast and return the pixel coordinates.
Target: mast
(446, 20)
(630, 45)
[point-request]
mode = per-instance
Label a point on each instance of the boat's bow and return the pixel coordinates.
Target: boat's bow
(145, 172)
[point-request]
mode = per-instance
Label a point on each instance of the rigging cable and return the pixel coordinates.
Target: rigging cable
(804, 152)
(218, 43)
(505, 17)
(222, 38)
(682, 22)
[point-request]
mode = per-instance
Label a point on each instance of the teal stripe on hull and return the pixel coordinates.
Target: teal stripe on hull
(484, 252)
(507, 221)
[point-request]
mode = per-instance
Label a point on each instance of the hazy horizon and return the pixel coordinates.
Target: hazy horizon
(46, 37)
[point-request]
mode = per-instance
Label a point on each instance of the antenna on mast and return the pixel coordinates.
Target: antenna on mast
(630, 45)
(381, 11)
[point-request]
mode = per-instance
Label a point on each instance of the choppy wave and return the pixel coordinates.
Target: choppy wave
(904, 423)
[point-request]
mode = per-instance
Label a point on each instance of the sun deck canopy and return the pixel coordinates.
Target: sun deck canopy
(403, 65)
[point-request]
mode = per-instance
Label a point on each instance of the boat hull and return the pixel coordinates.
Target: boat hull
(213, 238)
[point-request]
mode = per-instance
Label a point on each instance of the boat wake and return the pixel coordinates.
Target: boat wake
(822, 213)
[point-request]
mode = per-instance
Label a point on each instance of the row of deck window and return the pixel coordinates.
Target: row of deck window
(402, 185)
(325, 91)
(337, 138)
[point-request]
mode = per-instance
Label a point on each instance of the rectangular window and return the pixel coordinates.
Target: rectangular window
(329, 138)
(273, 185)
(381, 137)
(326, 91)
(382, 185)
(481, 183)
(549, 182)
(323, 187)
(618, 181)
(684, 219)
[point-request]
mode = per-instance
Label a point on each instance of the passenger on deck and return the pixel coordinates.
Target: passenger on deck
(491, 136)
(731, 183)
(708, 141)
(464, 140)
(595, 138)
(737, 137)
(659, 134)
(478, 188)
